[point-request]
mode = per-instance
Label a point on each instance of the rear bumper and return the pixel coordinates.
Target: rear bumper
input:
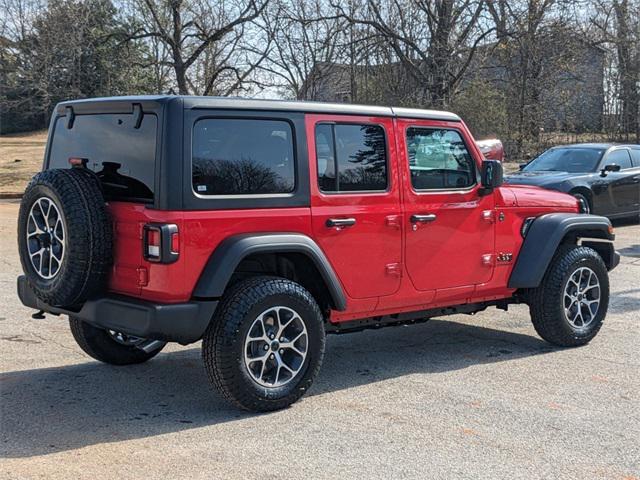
(178, 322)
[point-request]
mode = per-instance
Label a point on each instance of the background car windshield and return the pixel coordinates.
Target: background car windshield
(566, 160)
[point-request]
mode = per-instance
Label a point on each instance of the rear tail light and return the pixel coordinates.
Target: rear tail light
(161, 243)
(78, 162)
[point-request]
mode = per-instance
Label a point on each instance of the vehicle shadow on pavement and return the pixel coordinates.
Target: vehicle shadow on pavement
(625, 301)
(49, 410)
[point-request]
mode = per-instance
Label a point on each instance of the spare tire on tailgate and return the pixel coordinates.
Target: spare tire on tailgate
(65, 236)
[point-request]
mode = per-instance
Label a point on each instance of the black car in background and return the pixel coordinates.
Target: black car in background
(604, 177)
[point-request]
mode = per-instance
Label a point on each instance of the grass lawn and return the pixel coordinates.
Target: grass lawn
(20, 158)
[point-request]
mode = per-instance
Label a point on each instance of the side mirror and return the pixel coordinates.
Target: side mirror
(491, 175)
(522, 165)
(612, 167)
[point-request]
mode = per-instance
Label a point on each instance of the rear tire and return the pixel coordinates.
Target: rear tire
(102, 345)
(569, 306)
(261, 324)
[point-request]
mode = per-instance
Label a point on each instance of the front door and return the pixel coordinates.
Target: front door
(623, 187)
(355, 200)
(449, 224)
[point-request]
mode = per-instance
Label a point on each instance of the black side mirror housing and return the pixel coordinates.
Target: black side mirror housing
(612, 167)
(491, 175)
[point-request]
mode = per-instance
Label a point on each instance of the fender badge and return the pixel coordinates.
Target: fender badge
(504, 257)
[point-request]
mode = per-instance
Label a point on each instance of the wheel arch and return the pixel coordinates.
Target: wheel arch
(291, 255)
(548, 232)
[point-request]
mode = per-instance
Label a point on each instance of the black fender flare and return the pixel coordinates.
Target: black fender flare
(226, 257)
(545, 234)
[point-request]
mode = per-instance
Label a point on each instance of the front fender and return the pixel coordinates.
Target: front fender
(544, 236)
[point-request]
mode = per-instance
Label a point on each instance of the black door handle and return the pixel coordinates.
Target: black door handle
(340, 222)
(423, 218)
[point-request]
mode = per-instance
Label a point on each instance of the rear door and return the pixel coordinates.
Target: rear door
(355, 200)
(449, 224)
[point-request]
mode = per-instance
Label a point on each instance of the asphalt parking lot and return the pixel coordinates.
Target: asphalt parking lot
(463, 397)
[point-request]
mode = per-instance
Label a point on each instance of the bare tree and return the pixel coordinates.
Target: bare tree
(435, 41)
(617, 24)
(307, 41)
(210, 48)
(529, 34)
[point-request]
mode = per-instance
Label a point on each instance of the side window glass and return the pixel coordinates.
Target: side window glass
(351, 157)
(439, 159)
(326, 158)
(619, 157)
(234, 156)
(635, 156)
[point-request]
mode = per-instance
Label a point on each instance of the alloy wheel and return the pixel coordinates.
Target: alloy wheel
(275, 347)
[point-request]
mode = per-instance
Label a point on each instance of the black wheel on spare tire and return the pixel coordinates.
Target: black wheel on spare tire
(265, 344)
(64, 236)
(569, 306)
(110, 347)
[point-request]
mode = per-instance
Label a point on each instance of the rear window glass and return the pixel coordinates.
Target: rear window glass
(635, 156)
(235, 156)
(122, 156)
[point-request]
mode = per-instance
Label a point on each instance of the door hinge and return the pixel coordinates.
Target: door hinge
(487, 259)
(488, 216)
(393, 221)
(394, 269)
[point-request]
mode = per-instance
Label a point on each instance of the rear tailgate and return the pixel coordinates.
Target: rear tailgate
(132, 274)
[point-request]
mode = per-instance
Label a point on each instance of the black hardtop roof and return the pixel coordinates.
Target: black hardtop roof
(193, 102)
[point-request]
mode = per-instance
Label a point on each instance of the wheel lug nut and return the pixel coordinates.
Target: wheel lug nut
(272, 336)
(266, 347)
(272, 355)
(281, 351)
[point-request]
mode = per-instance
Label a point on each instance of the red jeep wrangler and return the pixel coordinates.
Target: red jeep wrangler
(258, 226)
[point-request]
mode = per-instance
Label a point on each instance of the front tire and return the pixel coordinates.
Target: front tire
(109, 347)
(265, 344)
(569, 306)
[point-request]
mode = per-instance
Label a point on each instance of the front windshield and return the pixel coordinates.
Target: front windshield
(566, 160)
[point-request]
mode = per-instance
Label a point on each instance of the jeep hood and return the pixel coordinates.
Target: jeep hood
(529, 196)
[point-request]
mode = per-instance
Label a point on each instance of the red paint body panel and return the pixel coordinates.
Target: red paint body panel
(446, 253)
(200, 233)
(384, 265)
(364, 254)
